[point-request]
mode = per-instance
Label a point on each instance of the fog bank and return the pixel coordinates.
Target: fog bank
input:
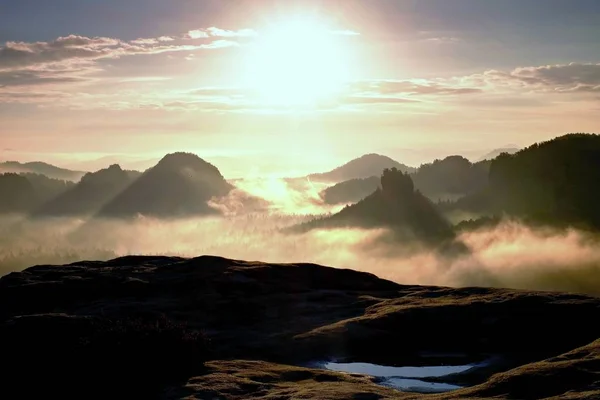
(509, 255)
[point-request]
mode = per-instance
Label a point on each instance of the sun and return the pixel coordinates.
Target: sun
(297, 61)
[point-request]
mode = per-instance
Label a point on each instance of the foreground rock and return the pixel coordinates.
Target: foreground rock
(262, 322)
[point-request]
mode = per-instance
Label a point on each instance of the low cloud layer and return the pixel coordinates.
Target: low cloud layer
(510, 255)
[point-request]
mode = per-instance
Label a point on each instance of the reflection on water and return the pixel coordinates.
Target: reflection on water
(388, 372)
(416, 385)
(402, 378)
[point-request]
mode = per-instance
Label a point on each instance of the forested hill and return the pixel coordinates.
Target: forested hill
(553, 181)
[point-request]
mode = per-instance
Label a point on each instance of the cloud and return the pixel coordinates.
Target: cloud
(411, 88)
(73, 59)
(27, 78)
(218, 32)
(212, 31)
(575, 78)
(443, 40)
(148, 41)
(196, 34)
(220, 44)
(15, 55)
(30, 97)
(376, 100)
(212, 90)
(22, 54)
(509, 255)
(559, 78)
(145, 79)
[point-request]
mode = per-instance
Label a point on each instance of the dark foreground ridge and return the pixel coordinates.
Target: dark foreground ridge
(213, 328)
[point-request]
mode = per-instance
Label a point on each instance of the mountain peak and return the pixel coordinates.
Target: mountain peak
(365, 166)
(184, 160)
(180, 184)
(180, 157)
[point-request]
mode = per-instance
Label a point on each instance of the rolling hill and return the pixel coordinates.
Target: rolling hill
(89, 195)
(41, 168)
(363, 167)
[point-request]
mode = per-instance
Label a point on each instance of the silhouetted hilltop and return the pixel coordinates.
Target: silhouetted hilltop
(42, 168)
(454, 176)
(350, 191)
(89, 195)
(496, 152)
(480, 202)
(364, 167)
(180, 184)
(552, 181)
(22, 193)
(18, 194)
(47, 188)
(396, 205)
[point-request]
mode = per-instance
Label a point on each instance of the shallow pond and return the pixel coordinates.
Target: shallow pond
(404, 378)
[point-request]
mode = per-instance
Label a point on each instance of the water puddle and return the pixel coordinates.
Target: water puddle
(416, 385)
(404, 378)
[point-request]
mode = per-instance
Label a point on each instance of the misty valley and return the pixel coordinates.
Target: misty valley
(524, 220)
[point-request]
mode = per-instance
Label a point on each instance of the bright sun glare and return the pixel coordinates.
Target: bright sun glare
(299, 61)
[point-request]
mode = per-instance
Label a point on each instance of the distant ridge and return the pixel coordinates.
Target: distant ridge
(451, 177)
(496, 152)
(363, 167)
(92, 192)
(42, 168)
(350, 191)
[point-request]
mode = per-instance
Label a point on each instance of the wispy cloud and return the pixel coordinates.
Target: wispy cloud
(73, 59)
(27, 78)
(196, 34)
(212, 31)
(32, 97)
(443, 40)
(361, 99)
(220, 44)
(559, 78)
(74, 48)
(219, 33)
(53, 73)
(572, 78)
(152, 41)
(412, 87)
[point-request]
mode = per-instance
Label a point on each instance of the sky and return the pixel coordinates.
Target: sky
(261, 87)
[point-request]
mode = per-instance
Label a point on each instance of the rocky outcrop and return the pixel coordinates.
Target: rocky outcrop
(396, 206)
(262, 322)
